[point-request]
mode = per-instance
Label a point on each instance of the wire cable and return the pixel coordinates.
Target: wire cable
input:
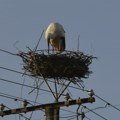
(5, 80)
(94, 112)
(18, 113)
(15, 98)
(15, 71)
(107, 102)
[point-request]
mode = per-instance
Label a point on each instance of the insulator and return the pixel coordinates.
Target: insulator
(2, 107)
(91, 92)
(24, 103)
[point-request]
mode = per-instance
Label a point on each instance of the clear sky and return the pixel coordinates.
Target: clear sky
(97, 22)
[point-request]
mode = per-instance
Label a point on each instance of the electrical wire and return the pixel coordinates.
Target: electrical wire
(68, 116)
(85, 113)
(15, 71)
(15, 98)
(89, 110)
(107, 102)
(88, 118)
(94, 112)
(98, 108)
(38, 86)
(72, 118)
(18, 113)
(5, 80)
(68, 111)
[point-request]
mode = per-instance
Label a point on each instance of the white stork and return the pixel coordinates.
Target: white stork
(55, 36)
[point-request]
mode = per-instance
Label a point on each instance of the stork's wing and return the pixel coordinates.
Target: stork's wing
(62, 44)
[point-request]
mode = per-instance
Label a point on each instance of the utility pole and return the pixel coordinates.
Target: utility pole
(51, 109)
(52, 113)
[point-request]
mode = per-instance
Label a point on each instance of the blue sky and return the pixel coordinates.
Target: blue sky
(97, 22)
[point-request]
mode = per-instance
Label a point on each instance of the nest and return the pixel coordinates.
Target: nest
(67, 65)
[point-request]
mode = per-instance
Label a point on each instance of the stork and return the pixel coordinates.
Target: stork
(55, 36)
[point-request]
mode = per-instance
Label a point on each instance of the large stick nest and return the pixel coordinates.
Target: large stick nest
(66, 65)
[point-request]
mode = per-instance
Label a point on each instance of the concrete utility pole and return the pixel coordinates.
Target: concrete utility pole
(52, 113)
(51, 109)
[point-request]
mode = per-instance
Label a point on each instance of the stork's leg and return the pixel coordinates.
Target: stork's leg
(58, 50)
(52, 49)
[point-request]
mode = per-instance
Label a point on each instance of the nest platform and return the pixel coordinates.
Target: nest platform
(67, 65)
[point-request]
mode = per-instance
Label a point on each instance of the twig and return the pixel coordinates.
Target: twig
(78, 42)
(8, 52)
(38, 41)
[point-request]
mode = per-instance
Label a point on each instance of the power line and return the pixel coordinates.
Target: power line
(107, 102)
(88, 118)
(5, 80)
(98, 108)
(90, 110)
(18, 113)
(70, 116)
(68, 111)
(7, 96)
(15, 98)
(77, 114)
(94, 112)
(15, 71)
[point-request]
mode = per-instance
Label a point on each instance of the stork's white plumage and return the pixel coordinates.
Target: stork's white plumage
(55, 36)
